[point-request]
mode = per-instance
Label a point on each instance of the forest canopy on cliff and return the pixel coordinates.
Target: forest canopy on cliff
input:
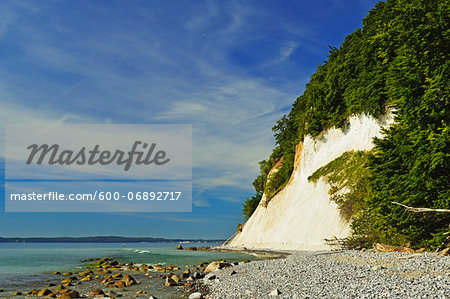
(399, 60)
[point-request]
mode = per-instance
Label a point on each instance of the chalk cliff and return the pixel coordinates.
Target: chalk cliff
(301, 216)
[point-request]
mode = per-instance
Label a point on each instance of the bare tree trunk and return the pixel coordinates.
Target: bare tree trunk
(420, 210)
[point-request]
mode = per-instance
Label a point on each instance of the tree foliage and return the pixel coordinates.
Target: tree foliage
(398, 59)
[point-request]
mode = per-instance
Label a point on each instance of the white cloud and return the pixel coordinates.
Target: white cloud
(159, 75)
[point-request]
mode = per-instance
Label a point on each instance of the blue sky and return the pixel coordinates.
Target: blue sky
(229, 68)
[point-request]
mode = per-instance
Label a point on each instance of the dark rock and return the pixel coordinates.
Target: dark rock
(197, 275)
(32, 292)
(170, 282)
(179, 247)
(97, 292)
(113, 294)
(44, 292)
(72, 294)
(210, 276)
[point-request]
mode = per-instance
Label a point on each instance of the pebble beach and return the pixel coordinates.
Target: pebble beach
(337, 274)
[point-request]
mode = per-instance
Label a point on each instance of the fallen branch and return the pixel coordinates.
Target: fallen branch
(420, 210)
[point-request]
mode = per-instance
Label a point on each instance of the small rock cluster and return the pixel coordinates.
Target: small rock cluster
(105, 277)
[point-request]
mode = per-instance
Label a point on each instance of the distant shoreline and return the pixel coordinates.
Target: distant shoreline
(104, 239)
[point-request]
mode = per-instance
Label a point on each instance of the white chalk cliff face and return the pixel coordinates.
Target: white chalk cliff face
(301, 216)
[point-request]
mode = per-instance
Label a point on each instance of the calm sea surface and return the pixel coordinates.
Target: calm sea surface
(23, 263)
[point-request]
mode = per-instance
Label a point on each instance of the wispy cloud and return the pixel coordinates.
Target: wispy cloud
(230, 68)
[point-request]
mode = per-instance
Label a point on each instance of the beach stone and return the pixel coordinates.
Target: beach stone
(67, 274)
(56, 273)
(209, 276)
(377, 267)
(140, 292)
(107, 280)
(197, 275)
(232, 272)
(44, 292)
(445, 251)
(129, 280)
(192, 248)
(113, 294)
(170, 282)
(64, 291)
(67, 280)
(69, 294)
(275, 292)
(118, 275)
(179, 247)
(16, 294)
(51, 295)
(120, 284)
(127, 277)
(97, 292)
(195, 295)
(60, 287)
(87, 278)
(171, 267)
(110, 285)
(32, 292)
(186, 273)
(175, 278)
(216, 265)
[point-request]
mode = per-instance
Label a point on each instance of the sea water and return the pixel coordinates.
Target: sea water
(25, 263)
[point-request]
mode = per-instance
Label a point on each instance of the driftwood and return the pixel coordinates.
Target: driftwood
(420, 210)
(388, 248)
(230, 238)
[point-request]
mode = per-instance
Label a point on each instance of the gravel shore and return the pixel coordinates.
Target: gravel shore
(340, 274)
